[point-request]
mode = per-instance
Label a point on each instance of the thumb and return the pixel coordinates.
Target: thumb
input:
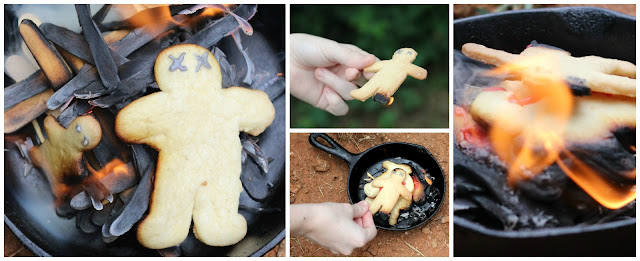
(340, 54)
(360, 209)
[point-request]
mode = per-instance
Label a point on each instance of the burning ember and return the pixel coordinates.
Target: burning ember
(537, 122)
(102, 69)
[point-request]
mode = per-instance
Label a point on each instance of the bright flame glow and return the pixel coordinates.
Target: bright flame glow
(547, 105)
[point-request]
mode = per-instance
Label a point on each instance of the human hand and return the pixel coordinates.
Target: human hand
(338, 227)
(321, 71)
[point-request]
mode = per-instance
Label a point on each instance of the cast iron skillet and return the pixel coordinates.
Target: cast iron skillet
(28, 201)
(581, 31)
(359, 163)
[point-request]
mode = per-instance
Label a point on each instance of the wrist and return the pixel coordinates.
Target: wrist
(302, 219)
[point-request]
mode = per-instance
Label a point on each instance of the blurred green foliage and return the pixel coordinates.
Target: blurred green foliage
(381, 30)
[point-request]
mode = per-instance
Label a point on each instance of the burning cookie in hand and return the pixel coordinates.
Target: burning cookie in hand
(390, 74)
(194, 123)
(60, 156)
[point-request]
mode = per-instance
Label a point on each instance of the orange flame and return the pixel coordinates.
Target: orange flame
(532, 139)
(159, 15)
(115, 166)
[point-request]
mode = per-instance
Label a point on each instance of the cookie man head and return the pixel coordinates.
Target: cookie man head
(187, 61)
(405, 55)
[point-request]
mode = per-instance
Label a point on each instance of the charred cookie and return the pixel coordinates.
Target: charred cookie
(390, 74)
(60, 156)
(194, 124)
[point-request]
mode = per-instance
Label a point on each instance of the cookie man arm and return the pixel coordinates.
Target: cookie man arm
(138, 117)
(487, 55)
(416, 71)
(375, 67)
(257, 114)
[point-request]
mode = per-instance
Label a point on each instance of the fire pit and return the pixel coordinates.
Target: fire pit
(99, 213)
(549, 214)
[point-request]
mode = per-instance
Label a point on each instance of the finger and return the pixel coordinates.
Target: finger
(358, 221)
(340, 54)
(351, 73)
(340, 85)
(331, 102)
(369, 226)
(360, 209)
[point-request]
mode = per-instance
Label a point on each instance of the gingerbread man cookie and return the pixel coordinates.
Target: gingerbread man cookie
(598, 74)
(194, 124)
(390, 74)
(60, 156)
(391, 189)
(402, 203)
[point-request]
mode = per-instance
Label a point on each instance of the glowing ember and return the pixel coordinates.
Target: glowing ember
(530, 132)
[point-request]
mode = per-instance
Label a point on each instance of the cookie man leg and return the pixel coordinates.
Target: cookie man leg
(215, 217)
(168, 223)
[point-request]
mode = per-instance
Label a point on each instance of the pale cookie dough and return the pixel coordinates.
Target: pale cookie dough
(391, 190)
(60, 155)
(593, 117)
(599, 74)
(390, 74)
(194, 124)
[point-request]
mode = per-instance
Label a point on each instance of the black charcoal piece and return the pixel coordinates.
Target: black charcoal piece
(99, 50)
(77, 108)
(25, 89)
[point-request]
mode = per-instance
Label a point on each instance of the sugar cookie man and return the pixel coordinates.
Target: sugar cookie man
(391, 189)
(194, 124)
(390, 74)
(60, 156)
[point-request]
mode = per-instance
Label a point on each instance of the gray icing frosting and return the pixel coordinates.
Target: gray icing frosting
(177, 63)
(202, 61)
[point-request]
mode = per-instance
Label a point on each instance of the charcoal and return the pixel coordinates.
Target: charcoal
(110, 146)
(545, 186)
(505, 215)
(463, 185)
(127, 194)
(159, 13)
(250, 68)
(228, 72)
(77, 108)
(83, 222)
(95, 192)
(99, 50)
(133, 211)
(99, 16)
(250, 147)
(142, 35)
(98, 218)
(86, 76)
(113, 183)
(609, 158)
(222, 27)
(117, 209)
(259, 209)
(173, 251)
(461, 204)
(25, 89)
(75, 43)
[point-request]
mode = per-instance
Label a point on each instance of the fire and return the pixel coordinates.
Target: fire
(115, 166)
(543, 103)
(145, 14)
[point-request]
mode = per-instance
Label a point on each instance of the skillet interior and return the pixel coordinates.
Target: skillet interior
(415, 153)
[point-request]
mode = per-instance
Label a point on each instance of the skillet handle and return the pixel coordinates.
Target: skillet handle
(334, 148)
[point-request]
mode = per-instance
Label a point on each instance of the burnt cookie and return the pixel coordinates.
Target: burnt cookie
(596, 73)
(194, 124)
(391, 189)
(390, 74)
(60, 156)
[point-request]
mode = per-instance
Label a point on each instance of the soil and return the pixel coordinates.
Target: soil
(319, 177)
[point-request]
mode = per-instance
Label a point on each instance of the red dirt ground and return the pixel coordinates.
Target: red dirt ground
(310, 184)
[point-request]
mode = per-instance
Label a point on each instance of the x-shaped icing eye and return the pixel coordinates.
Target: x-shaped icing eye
(409, 52)
(202, 61)
(399, 52)
(177, 63)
